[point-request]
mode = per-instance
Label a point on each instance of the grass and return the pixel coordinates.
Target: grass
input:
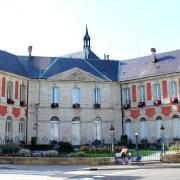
(142, 152)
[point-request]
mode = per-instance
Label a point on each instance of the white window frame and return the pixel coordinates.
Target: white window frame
(9, 128)
(9, 90)
(128, 129)
(22, 129)
(143, 128)
(76, 96)
(159, 122)
(126, 96)
(55, 95)
(97, 96)
(98, 128)
(22, 92)
(54, 128)
(76, 131)
(176, 126)
(157, 91)
(141, 93)
(173, 89)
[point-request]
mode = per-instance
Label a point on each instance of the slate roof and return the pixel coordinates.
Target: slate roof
(81, 55)
(168, 62)
(108, 70)
(10, 63)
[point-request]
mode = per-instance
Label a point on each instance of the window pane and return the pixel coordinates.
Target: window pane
(97, 96)
(141, 93)
(55, 95)
(76, 96)
(76, 137)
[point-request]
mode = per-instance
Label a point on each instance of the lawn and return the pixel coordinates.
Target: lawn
(142, 153)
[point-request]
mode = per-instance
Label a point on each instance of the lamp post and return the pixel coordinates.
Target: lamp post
(162, 141)
(136, 136)
(112, 138)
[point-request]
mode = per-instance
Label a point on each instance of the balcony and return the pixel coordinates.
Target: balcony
(141, 104)
(10, 101)
(76, 106)
(54, 105)
(126, 106)
(97, 106)
(157, 102)
(174, 100)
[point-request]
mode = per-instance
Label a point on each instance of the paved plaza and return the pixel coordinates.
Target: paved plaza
(56, 172)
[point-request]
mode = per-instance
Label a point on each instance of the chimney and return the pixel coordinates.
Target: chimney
(107, 57)
(153, 51)
(104, 56)
(30, 51)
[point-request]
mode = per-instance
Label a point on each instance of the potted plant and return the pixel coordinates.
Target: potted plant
(76, 105)
(174, 100)
(22, 103)
(54, 105)
(141, 104)
(97, 105)
(10, 101)
(157, 102)
(126, 106)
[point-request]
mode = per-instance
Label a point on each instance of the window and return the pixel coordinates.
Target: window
(141, 93)
(176, 126)
(98, 126)
(159, 123)
(172, 89)
(10, 90)
(157, 92)
(76, 96)
(97, 98)
(8, 128)
(55, 95)
(22, 92)
(126, 96)
(128, 128)
(76, 131)
(54, 128)
(143, 128)
(21, 129)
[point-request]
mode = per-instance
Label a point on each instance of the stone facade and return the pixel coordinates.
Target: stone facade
(40, 111)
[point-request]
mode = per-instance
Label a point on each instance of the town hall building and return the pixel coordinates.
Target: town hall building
(77, 97)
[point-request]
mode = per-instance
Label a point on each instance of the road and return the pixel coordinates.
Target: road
(43, 172)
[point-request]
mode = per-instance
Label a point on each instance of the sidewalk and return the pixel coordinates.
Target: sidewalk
(144, 165)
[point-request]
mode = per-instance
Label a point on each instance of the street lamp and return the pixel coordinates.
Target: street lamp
(162, 141)
(136, 136)
(112, 138)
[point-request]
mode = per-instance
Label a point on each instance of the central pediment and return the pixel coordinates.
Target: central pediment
(75, 74)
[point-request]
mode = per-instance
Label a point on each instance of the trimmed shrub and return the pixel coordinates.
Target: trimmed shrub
(9, 148)
(65, 147)
(85, 148)
(96, 143)
(24, 152)
(51, 153)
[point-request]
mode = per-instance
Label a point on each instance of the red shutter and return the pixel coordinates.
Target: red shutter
(16, 89)
(134, 93)
(149, 93)
(164, 87)
(3, 87)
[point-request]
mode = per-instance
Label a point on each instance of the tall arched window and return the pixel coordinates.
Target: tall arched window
(22, 129)
(54, 128)
(76, 131)
(128, 128)
(9, 90)
(143, 128)
(22, 92)
(157, 91)
(176, 126)
(159, 123)
(8, 128)
(98, 128)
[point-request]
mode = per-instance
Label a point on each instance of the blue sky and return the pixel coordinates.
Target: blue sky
(121, 28)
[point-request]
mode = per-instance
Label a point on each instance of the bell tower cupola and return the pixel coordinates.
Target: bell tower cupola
(87, 39)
